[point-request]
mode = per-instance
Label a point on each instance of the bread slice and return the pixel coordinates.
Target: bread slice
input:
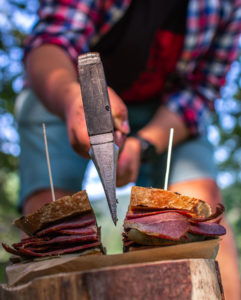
(61, 208)
(151, 198)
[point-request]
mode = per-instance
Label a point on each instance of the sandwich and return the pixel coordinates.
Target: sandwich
(158, 217)
(67, 225)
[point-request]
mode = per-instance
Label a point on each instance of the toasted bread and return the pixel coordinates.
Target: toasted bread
(61, 208)
(151, 198)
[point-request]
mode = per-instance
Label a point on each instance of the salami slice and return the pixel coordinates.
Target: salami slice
(208, 229)
(171, 225)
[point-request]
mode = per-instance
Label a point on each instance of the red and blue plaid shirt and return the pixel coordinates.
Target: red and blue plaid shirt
(210, 45)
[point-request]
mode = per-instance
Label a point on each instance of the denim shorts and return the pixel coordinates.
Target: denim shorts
(192, 159)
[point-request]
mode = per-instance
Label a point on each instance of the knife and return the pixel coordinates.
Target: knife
(103, 151)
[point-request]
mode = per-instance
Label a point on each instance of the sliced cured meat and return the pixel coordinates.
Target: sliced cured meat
(74, 231)
(29, 240)
(208, 229)
(219, 211)
(66, 226)
(133, 214)
(87, 234)
(47, 248)
(148, 240)
(128, 243)
(63, 240)
(31, 252)
(76, 222)
(41, 248)
(11, 250)
(27, 252)
(171, 225)
(140, 214)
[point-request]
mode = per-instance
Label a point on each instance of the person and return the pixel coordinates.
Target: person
(164, 62)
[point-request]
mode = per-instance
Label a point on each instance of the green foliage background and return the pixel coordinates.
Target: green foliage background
(13, 17)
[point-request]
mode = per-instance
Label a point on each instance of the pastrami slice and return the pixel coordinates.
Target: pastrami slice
(134, 214)
(76, 222)
(64, 240)
(171, 226)
(29, 240)
(208, 229)
(76, 231)
(218, 212)
(27, 252)
(11, 250)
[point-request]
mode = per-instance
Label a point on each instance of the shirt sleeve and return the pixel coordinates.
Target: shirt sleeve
(67, 23)
(210, 47)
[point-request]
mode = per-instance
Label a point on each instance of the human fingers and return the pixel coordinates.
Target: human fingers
(77, 130)
(128, 163)
(119, 139)
(119, 112)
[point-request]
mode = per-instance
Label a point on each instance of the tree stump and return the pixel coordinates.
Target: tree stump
(184, 279)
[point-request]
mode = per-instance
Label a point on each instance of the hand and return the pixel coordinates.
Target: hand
(120, 118)
(77, 129)
(57, 86)
(129, 162)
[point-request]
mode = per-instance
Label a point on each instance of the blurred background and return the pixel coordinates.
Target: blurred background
(16, 20)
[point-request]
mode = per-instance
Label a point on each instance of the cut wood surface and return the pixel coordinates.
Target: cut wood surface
(23, 272)
(187, 279)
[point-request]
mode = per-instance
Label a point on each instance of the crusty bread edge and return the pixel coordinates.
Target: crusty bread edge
(53, 211)
(153, 198)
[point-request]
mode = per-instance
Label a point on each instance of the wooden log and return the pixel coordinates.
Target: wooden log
(24, 272)
(189, 279)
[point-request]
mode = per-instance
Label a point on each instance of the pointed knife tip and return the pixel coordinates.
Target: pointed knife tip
(114, 218)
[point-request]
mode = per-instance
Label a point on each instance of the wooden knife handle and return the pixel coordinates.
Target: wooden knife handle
(94, 94)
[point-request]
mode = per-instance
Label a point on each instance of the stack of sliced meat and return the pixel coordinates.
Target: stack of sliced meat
(67, 225)
(146, 225)
(70, 236)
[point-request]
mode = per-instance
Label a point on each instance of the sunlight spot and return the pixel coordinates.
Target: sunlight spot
(213, 135)
(221, 154)
(225, 179)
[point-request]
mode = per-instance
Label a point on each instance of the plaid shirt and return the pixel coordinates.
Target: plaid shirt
(210, 45)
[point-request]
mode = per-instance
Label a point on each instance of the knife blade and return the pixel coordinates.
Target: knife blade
(99, 121)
